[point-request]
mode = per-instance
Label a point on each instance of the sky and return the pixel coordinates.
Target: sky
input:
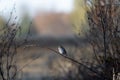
(32, 6)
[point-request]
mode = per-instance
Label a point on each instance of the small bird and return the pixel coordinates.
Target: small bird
(62, 50)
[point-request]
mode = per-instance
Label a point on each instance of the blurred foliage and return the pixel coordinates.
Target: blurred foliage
(24, 26)
(2, 24)
(78, 17)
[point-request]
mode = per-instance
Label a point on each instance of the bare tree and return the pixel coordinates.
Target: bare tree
(104, 36)
(7, 53)
(8, 49)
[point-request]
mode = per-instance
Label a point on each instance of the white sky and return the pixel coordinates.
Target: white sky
(32, 6)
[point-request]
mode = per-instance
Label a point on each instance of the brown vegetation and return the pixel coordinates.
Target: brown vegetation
(105, 36)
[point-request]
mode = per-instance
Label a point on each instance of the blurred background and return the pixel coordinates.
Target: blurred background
(50, 23)
(54, 18)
